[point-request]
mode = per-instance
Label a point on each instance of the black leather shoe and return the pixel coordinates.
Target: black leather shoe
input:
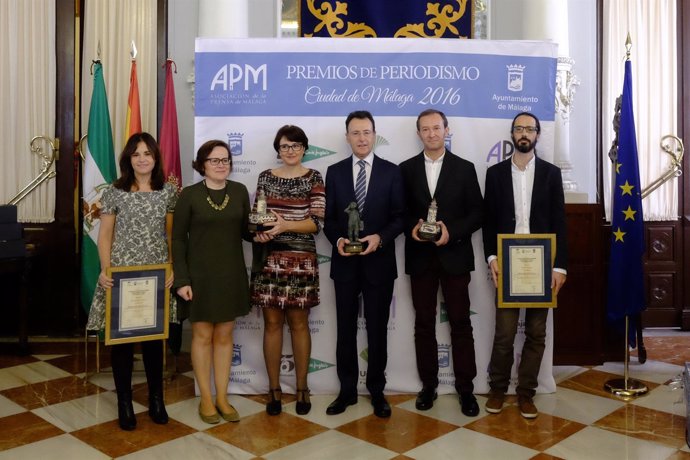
(275, 405)
(303, 405)
(469, 404)
(340, 404)
(381, 407)
(125, 411)
(157, 410)
(425, 398)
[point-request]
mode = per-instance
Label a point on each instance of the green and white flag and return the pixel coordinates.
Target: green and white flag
(99, 171)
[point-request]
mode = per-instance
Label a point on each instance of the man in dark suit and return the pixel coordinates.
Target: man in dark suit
(523, 194)
(438, 174)
(370, 273)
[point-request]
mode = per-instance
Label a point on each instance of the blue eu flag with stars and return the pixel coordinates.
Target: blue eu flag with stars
(626, 296)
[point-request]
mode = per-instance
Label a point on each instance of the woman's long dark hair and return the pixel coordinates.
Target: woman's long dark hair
(127, 180)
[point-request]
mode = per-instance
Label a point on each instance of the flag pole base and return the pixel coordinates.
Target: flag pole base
(626, 389)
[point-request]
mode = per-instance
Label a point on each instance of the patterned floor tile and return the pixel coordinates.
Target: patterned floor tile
(401, 432)
(538, 434)
(25, 428)
(648, 424)
(593, 382)
(261, 433)
(111, 440)
(50, 392)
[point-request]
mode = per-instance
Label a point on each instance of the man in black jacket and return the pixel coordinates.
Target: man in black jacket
(523, 194)
(437, 174)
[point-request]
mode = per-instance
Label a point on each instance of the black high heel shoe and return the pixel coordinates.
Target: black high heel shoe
(303, 405)
(275, 405)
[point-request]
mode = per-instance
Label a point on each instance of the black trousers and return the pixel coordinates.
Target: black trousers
(376, 301)
(457, 301)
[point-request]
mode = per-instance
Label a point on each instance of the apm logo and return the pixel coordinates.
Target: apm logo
(235, 143)
(315, 152)
(500, 151)
(316, 365)
(237, 355)
(228, 76)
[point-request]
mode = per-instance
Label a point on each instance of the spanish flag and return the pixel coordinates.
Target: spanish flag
(133, 124)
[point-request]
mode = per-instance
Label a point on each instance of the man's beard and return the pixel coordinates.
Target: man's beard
(524, 147)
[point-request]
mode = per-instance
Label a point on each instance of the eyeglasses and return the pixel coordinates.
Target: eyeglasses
(218, 161)
(294, 147)
(521, 129)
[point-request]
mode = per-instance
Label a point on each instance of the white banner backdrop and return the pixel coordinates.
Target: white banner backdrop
(247, 88)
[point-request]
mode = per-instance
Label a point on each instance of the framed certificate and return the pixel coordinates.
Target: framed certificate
(525, 270)
(137, 307)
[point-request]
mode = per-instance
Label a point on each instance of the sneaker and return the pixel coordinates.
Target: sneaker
(527, 407)
(494, 405)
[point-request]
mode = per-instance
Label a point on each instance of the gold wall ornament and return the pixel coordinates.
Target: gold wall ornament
(334, 24)
(441, 20)
(47, 162)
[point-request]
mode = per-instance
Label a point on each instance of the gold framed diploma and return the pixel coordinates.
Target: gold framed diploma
(525, 270)
(137, 307)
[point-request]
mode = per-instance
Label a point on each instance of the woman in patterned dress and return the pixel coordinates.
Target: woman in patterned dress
(136, 218)
(285, 275)
(210, 271)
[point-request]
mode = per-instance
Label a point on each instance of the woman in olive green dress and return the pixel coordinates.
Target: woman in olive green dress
(209, 226)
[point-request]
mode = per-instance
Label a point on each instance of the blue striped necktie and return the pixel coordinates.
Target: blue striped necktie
(361, 185)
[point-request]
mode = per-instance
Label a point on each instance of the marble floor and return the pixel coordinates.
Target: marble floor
(48, 409)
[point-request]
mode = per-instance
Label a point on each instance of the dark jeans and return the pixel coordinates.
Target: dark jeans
(532, 351)
(122, 359)
(457, 300)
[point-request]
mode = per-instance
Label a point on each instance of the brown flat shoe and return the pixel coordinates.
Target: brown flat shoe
(210, 419)
(232, 416)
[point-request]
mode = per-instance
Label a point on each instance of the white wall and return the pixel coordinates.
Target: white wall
(183, 25)
(582, 30)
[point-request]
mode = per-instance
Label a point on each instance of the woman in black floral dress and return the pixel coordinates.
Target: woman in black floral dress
(285, 275)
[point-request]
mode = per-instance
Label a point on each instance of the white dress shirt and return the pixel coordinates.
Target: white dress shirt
(433, 170)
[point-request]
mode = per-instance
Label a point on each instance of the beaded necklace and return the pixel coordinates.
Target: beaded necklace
(217, 207)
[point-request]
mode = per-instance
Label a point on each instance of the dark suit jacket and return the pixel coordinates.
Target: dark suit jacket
(547, 212)
(383, 214)
(459, 201)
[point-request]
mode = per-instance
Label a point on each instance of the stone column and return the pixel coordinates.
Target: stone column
(548, 20)
(224, 18)
(221, 18)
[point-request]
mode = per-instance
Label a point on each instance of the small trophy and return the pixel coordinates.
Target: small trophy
(261, 216)
(430, 230)
(354, 226)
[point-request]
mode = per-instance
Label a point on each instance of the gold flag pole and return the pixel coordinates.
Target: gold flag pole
(626, 388)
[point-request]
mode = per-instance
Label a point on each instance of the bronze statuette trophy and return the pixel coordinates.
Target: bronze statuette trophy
(430, 230)
(354, 226)
(260, 217)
